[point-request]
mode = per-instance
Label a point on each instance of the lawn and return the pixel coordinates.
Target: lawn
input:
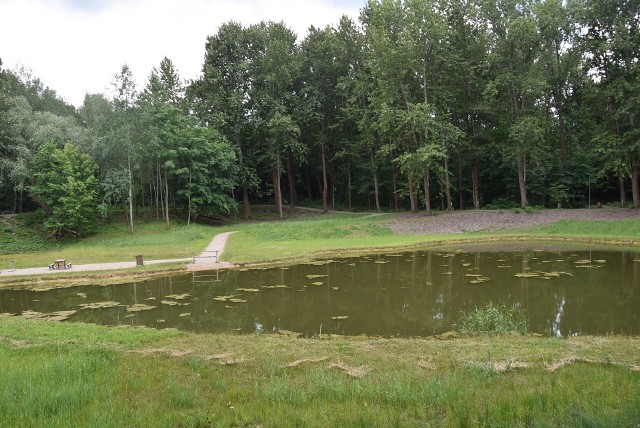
(60, 374)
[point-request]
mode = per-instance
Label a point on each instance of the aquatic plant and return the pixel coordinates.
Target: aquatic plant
(493, 319)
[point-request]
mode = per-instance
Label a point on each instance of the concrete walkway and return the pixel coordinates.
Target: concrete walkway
(204, 261)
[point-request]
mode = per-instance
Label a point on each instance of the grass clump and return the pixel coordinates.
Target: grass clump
(493, 320)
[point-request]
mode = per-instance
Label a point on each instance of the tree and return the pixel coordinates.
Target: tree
(518, 85)
(274, 69)
(220, 97)
(123, 129)
(65, 186)
(612, 45)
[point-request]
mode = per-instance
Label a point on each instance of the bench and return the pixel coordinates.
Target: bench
(60, 264)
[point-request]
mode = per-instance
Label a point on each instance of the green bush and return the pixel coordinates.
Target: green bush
(493, 319)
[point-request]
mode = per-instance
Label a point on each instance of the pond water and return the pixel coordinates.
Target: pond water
(417, 293)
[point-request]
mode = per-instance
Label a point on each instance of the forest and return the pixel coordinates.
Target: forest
(420, 105)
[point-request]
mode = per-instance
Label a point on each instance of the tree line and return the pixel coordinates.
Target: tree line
(420, 104)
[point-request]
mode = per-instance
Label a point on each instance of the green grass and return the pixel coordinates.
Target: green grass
(112, 243)
(493, 319)
(289, 240)
(308, 238)
(621, 229)
(57, 374)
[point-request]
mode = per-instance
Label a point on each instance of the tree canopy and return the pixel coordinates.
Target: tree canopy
(437, 104)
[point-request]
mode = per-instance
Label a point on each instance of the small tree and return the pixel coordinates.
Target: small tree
(558, 193)
(65, 186)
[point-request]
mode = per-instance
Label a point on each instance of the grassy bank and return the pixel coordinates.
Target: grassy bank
(113, 242)
(290, 240)
(83, 375)
(334, 235)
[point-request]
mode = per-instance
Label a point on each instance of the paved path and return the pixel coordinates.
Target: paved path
(202, 262)
(208, 259)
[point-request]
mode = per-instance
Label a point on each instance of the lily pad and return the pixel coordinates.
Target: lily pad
(527, 275)
(317, 283)
(99, 305)
(139, 307)
(53, 316)
(173, 303)
(224, 298)
(178, 296)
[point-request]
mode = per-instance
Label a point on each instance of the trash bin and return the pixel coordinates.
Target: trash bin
(139, 261)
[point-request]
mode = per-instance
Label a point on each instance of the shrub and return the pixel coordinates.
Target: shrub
(493, 319)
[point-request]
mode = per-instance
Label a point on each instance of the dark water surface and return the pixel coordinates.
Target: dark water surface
(416, 293)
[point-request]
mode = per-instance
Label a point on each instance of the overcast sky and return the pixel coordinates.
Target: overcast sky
(77, 46)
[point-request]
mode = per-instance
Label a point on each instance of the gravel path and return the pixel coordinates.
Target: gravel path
(465, 221)
(202, 262)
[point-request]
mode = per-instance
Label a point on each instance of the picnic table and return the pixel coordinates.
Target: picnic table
(60, 264)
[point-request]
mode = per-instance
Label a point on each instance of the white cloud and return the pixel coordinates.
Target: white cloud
(76, 46)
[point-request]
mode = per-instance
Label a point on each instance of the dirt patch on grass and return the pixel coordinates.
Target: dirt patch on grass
(354, 372)
(456, 222)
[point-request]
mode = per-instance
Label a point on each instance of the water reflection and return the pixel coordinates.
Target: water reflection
(405, 294)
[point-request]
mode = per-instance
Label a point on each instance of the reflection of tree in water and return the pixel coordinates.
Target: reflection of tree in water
(414, 293)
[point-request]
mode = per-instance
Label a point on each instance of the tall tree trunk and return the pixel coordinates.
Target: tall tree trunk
(278, 192)
(562, 136)
(635, 191)
(474, 179)
(376, 190)
(349, 192)
(292, 181)
(157, 189)
(427, 192)
(522, 182)
(623, 191)
(447, 184)
(166, 199)
(333, 187)
(412, 195)
(245, 190)
(325, 184)
(394, 183)
(130, 195)
(189, 199)
(460, 192)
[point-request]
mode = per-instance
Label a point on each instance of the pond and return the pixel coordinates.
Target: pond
(418, 293)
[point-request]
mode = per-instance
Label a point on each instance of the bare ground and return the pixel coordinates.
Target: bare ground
(465, 221)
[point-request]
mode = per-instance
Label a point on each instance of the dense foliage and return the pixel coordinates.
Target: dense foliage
(436, 103)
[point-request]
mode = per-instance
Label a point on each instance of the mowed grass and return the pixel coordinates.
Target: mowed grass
(288, 240)
(57, 374)
(114, 243)
(628, 229)
(313, 237)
